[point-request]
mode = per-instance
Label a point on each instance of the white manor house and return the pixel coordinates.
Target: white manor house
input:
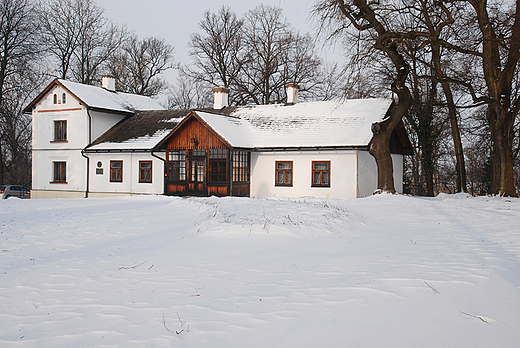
(93, 141)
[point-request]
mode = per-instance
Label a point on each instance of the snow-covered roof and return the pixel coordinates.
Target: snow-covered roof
(144, 142)
(237, 132)
(143, 131)
(98, 97)
(311, 124)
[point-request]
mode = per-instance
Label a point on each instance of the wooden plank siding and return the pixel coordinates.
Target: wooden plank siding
(175, 189)
(194, 129)
(191, 136)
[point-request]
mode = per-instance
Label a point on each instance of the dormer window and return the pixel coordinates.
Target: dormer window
(63, 98)
(55, 100)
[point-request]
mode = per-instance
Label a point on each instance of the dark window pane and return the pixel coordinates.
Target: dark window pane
(145, 171)
(60, 172)
(60, 130)
(116, 171)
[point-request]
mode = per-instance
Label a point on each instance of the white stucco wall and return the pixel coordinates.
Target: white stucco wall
(43, 170)
(367, 173)
(343, 173)
(397, 161)
(101, 122)
(100, 184)
(46, 151)
(46, 113)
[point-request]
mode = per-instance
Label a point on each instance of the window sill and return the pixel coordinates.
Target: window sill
(282, 185)
(321, 186)
(59, 141)
(59, 182)
(145, 182)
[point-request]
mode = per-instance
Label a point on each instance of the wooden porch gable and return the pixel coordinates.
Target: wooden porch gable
(193, 133)
(200, 162)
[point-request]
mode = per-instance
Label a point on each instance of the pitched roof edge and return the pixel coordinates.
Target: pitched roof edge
(52, 84)
(193, 113)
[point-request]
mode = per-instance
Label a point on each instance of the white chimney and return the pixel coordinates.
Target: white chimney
(292, 93)
(221, 98)
(108, 82)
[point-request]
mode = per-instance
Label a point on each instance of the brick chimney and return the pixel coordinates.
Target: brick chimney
(221, 98)
(108, 82)
(292, 93)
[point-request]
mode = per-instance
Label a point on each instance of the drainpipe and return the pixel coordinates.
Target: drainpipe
(88, 167)
(164, 170)
(83, 151)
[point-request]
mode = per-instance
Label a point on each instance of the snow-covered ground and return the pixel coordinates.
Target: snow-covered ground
(154, 271)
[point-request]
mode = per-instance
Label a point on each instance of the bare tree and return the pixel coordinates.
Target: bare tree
(255, 56)
(189, 93)
(492, 45)
(216, 52)
(16, 125)
(300, 65)
(79, 37)
(332, 84)
(139, 64)
(19, 51)
(61, 30)
(500, 56)
(370, 23)
(274, 55)
(98, 39)
(424, 117)
(436, 17)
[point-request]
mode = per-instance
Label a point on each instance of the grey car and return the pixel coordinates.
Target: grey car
(19, 191)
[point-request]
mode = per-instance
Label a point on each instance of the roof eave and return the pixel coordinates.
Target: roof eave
(311, 148)
(29, 108)
(112, 111)
(194, 114)
(87, 150)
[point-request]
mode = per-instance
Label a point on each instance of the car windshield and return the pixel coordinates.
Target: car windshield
(2, 187)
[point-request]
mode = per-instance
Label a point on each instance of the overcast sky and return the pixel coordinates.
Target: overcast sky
(175, 20)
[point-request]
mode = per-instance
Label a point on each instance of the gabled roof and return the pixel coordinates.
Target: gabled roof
(311, 124)
(100, 98)
(234, 131)
(304, 125)
(143, 131)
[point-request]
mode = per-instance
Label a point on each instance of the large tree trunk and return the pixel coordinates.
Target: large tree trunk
(380, 145)
(499, 74)
(382, 131)
(502, 136)
(380, 150)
